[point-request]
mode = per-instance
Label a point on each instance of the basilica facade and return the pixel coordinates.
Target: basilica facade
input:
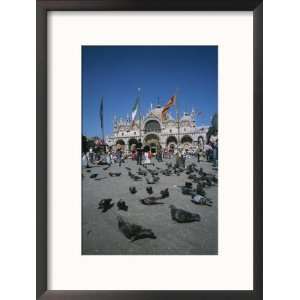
(152, 130)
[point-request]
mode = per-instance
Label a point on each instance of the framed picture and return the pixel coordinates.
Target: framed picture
(149, 149)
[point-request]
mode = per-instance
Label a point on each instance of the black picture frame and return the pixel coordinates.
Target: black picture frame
(42, 7)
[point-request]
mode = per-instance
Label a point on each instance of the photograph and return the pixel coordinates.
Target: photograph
(149, 153)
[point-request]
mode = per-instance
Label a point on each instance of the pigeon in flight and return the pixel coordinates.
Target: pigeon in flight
(122, 205)
(105, 204)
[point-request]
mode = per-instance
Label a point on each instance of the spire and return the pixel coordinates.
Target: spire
(158, 103)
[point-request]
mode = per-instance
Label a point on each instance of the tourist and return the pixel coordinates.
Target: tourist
(159, 153)
(139, 149)
(147, 158)
(180, 160)
(91, 155)
(199, 152)
(215, 154)
(85, 162)
(208, 151)
(119, 156)
(108, 158)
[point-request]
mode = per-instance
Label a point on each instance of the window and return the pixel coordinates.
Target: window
(152, 125)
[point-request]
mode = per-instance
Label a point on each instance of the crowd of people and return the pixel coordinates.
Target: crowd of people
(143, 155)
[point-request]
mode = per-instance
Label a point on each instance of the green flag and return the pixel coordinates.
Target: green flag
(134, 110)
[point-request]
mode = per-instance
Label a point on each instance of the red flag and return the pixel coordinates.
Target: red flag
(169, 104)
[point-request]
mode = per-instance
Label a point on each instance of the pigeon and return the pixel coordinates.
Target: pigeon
(133, 231)
(122, 205)
(141, 172)
(134, 177)
(188, 184)
(164, 193)
(150, 180)
(200, 190)
(149, 190)
(208, 182)
(152, 172)
(105, 204)
(132, 189)
(198, 199)
(98, 179)
(211, 178)
(201, 172)
(94, 175)
(106, 168)
(166, 172)
(201, 181)
(151, 201)
(127, 168)
(187, 191)
(155, 178)
(88, 171)
(183, 216)
(114, 174)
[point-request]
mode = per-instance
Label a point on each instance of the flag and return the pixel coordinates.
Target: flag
(169, 104)
(101, 112)
(134, 110)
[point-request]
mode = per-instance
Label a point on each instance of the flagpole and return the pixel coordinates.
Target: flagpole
(177, 115)
(101, 119)
(139, 108)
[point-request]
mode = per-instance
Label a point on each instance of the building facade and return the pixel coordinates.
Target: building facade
(152, 130)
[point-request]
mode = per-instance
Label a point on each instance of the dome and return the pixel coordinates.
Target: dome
(156, 112)
(186, 117)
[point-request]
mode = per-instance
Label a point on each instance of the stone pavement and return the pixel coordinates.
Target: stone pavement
(100, 233)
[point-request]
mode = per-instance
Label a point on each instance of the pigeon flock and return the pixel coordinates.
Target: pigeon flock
(194, 187)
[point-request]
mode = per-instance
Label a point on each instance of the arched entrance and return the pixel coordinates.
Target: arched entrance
(151, 141)
(171, 143)
(120, 144)
(186, 142)
(132, 143)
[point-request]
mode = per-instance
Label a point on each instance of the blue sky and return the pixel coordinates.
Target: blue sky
(116, 72)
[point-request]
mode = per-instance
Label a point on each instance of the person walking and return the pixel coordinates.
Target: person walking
(215, 154)
(108, 157)
(119, 156)
(199, 152)
(159, 153)
(139, 149)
